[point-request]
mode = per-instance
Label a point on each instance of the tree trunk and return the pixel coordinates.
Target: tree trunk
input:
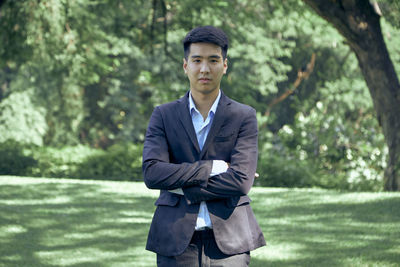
(358, 22)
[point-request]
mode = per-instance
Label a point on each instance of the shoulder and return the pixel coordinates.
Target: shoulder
(167, 106)
(239, 108)
(171, 108)
(173, 104)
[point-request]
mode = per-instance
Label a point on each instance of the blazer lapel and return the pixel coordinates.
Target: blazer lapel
(219, 118)
(186, 120)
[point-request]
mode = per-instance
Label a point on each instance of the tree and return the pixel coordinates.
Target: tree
(359, 23)
(83, 62)
(91, 73)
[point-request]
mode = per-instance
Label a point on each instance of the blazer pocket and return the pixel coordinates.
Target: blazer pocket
(223, 138)
(238, 201)
(167, 199)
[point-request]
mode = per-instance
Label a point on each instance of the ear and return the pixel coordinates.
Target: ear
(185, 65)
(225, 65)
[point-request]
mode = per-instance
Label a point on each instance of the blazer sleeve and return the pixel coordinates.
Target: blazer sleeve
(239, 177)
(158, 171)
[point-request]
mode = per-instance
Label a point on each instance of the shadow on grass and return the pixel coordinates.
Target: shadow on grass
(57, 224)
(324, 228)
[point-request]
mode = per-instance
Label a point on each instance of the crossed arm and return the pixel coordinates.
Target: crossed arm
(196, 179)
(218, 167)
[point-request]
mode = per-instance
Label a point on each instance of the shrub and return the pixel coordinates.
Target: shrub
(15, 159)
(278, 171)
(61, 162)
(298, 156)
(122, 161)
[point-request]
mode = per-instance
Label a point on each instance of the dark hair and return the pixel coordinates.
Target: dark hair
(206, 34)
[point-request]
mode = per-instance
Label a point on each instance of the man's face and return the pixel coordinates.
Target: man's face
(205, 67)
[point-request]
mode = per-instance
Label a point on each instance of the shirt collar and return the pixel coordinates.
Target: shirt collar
(213, 108)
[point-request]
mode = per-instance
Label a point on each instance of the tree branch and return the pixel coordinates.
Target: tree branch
(301, 75)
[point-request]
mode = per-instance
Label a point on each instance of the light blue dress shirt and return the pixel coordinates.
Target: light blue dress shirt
(202, 128)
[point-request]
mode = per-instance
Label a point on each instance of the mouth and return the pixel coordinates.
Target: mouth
(204, 80)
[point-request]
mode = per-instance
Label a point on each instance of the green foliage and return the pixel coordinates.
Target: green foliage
(15, 159)
(21, 120)
(335, 144)
(390, 10)
(61, 162)
(83, 62)
(121, 161)
(391, 35)
(81, 74)
(277, 170)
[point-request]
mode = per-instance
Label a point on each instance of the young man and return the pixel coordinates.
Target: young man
(200, 151)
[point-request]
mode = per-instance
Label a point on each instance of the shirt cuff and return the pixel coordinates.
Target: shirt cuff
(178, 191)
(218, 167)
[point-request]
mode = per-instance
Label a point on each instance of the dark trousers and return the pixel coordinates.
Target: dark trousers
(204, 252)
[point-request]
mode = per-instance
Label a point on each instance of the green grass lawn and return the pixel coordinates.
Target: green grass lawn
(60, 222)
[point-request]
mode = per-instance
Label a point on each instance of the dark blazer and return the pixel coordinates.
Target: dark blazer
(172, 159)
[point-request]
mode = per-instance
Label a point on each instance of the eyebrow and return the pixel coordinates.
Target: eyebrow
(212, 56)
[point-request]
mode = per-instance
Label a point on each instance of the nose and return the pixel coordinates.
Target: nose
(204, 68)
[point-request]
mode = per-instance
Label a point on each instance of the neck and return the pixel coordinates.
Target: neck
(204, 102)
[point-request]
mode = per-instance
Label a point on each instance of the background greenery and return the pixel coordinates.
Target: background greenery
(79, 80)
(66, 222)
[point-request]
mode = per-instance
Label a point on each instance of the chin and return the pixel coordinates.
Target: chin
(209, 91)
